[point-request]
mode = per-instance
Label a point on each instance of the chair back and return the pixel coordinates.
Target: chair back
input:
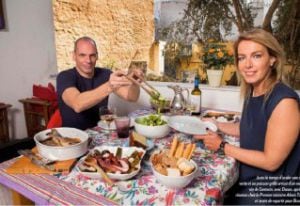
(55, 120)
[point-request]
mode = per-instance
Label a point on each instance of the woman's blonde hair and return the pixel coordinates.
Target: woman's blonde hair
(266, 39)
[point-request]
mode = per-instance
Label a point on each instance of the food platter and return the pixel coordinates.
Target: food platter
(126, 152)
(190, 125)
(221, 116)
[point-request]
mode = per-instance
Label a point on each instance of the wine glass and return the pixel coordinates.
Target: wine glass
(190, 107)
(107, 115)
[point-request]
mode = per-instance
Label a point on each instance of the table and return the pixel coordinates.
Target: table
(216, 174)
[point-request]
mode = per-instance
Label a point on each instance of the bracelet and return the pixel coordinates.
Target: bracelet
(221, 147)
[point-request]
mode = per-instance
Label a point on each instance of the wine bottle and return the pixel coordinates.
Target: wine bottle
(196, 97)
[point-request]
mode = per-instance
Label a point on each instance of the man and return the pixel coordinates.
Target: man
(84, 88)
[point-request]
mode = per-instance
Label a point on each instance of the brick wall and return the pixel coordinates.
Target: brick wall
(121, 28)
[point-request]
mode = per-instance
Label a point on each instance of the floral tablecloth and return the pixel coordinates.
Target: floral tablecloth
(216, 174)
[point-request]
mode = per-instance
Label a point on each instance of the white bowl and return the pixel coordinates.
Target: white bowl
(66, 152)
(126, 152)
(152, 131)
(175, 182)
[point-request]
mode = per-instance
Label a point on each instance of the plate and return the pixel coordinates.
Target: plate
(221, 116)
(190, 125)
(103, 125)
(126, 152)
(150, 144)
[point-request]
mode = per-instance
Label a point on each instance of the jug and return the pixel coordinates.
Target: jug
(179, 103)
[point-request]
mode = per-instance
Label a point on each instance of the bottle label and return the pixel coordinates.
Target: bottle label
(196, 102)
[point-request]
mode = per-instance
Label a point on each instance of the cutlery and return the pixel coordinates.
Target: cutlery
(122, 186)
(146, 86)
(37, 159)
(90, 161)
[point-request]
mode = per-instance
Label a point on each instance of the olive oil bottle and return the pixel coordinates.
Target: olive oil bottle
(196, 97)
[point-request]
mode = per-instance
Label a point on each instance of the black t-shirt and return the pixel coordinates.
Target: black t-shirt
(253, 127)
(71, 78)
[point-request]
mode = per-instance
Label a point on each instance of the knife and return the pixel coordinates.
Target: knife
(37, 159)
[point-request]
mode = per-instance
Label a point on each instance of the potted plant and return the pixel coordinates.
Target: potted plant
(215, 57)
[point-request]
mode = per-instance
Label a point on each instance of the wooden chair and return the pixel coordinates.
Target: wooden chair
(4, 132)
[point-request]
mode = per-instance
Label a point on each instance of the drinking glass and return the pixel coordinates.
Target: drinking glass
(107, 115)
(122, 126)
(190, 108)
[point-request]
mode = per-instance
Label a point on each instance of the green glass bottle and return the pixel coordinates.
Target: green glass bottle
(196, 97)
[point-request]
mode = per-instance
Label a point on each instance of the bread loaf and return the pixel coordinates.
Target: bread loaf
(187, 151)
(173, 146)
(185, 166)
(179, 150)
(192, 151)
(137, 140)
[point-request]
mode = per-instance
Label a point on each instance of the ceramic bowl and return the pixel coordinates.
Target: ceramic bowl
(162, 105)
(158, 131)
(175, 182)
(66, 152)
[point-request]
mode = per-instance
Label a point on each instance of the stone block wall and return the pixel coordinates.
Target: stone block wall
(122, 29)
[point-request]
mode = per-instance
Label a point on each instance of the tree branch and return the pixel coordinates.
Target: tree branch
(231, 16)
(238, 15)
(268, 18)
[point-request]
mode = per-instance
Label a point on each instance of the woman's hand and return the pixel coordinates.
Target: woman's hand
(211, 140)
(214, 124)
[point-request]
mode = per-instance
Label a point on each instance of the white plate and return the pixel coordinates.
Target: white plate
(126, 152)
(150, 144)
(190, 125)
(103, 125)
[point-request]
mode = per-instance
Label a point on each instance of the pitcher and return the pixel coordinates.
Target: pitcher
(179, 103)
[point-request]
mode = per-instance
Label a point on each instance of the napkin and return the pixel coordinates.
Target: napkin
(23, 165)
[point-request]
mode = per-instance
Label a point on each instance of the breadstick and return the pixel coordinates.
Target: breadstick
(187, 151)
(174, 146)
(192, 151)
(179, 150)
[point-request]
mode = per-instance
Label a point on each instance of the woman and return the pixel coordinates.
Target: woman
(269, 126)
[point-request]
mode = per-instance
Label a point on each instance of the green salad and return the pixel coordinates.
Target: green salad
(160, 102)
(151, 120)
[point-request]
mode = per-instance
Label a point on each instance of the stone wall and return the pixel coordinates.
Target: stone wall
(123, 30)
